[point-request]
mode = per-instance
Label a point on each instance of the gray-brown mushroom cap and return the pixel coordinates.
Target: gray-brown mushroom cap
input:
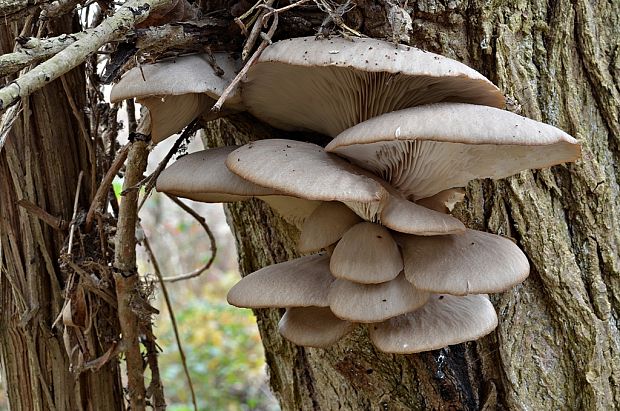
(471, 263)
(176, 91)
(366, 253)
(301, 282)
(304, 170)
(177, 76)
(203, 176)
(332, 84)
(325, 226)
(444, 320)
(367, 303)
(313, 326)
(423, 150)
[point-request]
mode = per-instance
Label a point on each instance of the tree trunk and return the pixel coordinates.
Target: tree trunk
(557, 345)
(40, 163)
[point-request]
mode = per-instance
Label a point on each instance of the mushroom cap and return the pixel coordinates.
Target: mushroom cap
(366, 254)
(471, 263)
(176, 76)
(408, 217)
(326, 225)
(203, 176)
(301, 282)
(444, 201)
(303, 170)
(313, 326)
(330, 85)
(367, 303)
(170, 114)
(442, 321)
(293, 209)
(423, 150)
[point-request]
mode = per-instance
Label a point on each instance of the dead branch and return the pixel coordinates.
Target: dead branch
(123, 20)
(75, 210)
(266, 41)
(55, 222)
(126, 277)
(204, 225)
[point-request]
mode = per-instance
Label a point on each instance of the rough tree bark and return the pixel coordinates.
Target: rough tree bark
(557, 345)
(40, 163)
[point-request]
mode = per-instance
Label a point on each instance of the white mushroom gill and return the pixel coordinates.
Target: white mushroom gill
(427, 149)
(330, 85)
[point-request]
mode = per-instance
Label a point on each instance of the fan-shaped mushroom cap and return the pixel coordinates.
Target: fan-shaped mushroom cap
(472, 263)
(176, 91)
(305, 170)
(367, 303)
(367, 254)
(408, 217)
(424, 150)
(442, 321)
(313, 326)
(325, 226)
(301, 282)
(330, 85)
(203, 176)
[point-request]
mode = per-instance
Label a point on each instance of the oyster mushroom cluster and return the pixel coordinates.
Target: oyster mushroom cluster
(409, 130)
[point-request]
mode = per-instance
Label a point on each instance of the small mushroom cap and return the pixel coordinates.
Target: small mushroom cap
(301, 282)
(170, 114)
(471, 263)
(294, 210)
(176, 76)
(366, 254)
(203, 176)
(313, 326)
(303, 170)
(442, 321)
(444, 201)
(330, 85)
(427, 149)
(408, 217)
(176, 91)
(367, 303)
(326, 225)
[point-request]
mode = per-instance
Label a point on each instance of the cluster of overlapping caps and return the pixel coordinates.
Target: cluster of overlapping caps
(409, 129)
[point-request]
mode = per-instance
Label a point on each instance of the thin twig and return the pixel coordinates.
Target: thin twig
(54, 222)
(151, 180)
(75, 209)
(173, 320)
(104, 187)
(204, 225)
(77, 113)
(285, 8)
(254, 33)
(220, 102)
